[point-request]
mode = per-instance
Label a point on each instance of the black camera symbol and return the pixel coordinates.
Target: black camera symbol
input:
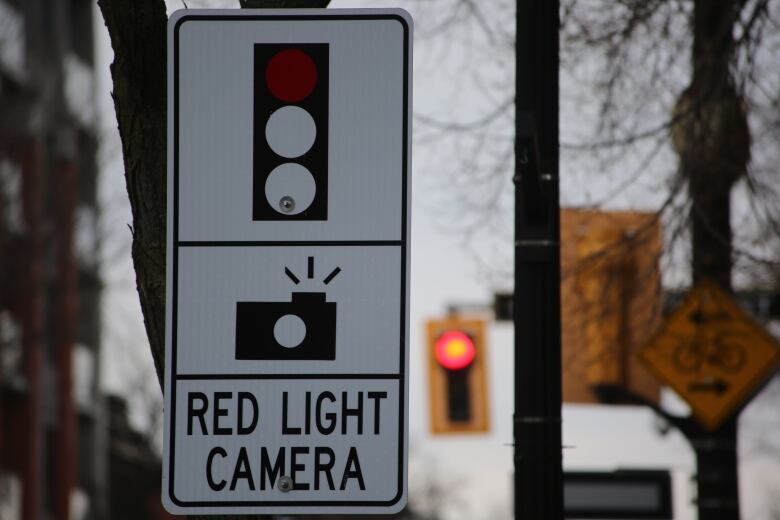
(302, 329)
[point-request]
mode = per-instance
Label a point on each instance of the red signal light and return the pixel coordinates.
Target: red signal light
(455, 350)
(291, 75)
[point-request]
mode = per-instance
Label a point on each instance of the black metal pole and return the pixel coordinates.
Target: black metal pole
(717, 472)
(538, 486)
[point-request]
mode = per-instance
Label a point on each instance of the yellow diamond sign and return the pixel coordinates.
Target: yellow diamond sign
(711, 353)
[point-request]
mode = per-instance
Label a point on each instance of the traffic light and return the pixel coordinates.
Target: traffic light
(290, 171)
(457, 375)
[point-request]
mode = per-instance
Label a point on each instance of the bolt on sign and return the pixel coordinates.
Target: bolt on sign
(286, 383)
(711, 353)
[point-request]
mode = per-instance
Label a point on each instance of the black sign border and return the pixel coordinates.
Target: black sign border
(403, 243)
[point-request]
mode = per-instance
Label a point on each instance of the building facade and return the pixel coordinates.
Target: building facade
(53, 424)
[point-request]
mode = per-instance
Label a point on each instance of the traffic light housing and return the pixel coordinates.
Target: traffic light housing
(290, 171)
(457, 375)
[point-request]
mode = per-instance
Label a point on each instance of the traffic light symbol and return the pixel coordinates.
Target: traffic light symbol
(458, 393)
(290, 171)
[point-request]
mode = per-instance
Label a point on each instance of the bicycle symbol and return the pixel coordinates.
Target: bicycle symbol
(720, 351)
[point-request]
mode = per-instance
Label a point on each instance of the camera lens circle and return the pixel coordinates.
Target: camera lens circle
(289, 331)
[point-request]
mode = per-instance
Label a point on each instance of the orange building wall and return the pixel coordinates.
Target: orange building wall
(611, 302)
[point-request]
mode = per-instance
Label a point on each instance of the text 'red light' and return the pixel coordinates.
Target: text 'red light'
(291, 75)
(455, 350)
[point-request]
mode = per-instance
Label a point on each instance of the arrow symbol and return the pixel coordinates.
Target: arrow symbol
(718, 386)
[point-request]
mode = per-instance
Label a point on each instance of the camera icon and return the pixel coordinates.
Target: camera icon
(301, 329)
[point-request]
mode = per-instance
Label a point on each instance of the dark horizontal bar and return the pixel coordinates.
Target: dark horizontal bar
(613, 504)
(294, 243)
(193, 377)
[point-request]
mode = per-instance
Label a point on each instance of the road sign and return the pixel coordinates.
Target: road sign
(622, 494)
(288, 254)
(711, 353)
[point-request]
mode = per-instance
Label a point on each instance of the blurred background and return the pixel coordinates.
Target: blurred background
(81, 407)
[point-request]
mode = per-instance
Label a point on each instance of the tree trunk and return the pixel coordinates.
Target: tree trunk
(717, 475)
(137, 29)
(713, 143)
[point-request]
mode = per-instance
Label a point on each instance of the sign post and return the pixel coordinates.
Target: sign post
(288, 261)
(538, 482)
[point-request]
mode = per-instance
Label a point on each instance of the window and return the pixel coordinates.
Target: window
(83, 377)
(12, 216)
(11, 353)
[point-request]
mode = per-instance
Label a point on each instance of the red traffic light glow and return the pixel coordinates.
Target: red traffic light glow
(455, 350)
(291, 75)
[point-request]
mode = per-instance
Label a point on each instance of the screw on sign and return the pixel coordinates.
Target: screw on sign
(290, 177)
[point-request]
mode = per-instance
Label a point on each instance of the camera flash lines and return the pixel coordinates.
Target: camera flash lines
(310, 273)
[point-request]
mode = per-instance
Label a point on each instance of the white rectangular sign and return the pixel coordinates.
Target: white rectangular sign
(288, 261)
